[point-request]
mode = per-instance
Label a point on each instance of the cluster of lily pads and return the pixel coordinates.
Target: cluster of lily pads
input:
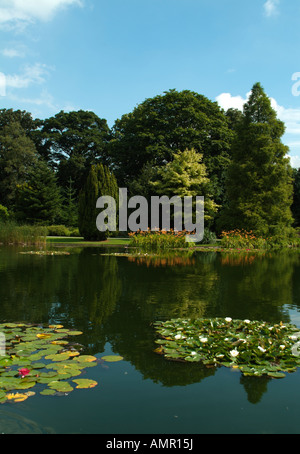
(256, 348)
(41, 359)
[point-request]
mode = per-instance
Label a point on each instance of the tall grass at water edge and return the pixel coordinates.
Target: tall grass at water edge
(12, 233)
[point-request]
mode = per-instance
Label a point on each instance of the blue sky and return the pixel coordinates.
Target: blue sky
(108, 56)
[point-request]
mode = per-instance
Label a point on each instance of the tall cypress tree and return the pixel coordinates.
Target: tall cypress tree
(259, 190)
(100, 182)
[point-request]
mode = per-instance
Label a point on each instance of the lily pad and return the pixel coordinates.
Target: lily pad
(112, 358)
(256, 348)
(85, 383)
(37, 356)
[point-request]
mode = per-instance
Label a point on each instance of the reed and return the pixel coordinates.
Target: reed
(12, 233)
(158, 240)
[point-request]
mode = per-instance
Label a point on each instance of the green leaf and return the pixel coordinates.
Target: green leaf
(85, 383)
(112, 358)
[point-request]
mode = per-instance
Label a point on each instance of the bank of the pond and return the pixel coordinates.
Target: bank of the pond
(126, 242)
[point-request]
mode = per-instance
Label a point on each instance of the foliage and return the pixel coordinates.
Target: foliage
(100, 182)
(39, 199)
(186, 176)
(17, 157)
(209, 237)
(296, 200)
(158, 240)
(259, 180)
(12, 233)
(164, 125)
(62, 230)
(69, 213)
(256, 348)
(4, 214)
(243, 239)
(36, 356)
(71, 142)
(23, 118)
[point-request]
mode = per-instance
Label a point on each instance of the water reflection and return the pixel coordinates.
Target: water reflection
(115, 299)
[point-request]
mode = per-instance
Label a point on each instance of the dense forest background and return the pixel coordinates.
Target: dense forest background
(175, 143)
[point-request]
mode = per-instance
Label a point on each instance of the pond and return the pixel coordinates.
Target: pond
(113, 300)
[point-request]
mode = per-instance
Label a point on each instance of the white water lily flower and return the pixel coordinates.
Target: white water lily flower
(228, 319)
(261, 349)
(293, 337)
(193, 353)
(203, 339)
(178, 336)
(234, 353)
(282, 347)
(247, 321)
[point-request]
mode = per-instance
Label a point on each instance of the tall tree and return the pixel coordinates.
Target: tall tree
(100, 182)
(39, 198)
(71, 143)
(259, 184)
(17, 157)
(164, 125)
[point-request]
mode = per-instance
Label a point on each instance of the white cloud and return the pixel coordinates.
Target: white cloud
(32, 74)
(227, 101)
(271, 7)
(13, 53)
(16, 13)
(295, 161)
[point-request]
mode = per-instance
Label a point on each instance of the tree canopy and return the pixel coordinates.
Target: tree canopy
(162, 126)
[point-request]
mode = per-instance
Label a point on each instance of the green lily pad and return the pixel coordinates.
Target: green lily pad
(48, 392)
(85, 383)
(112, 358)
(49, 356)
(256, 348)
(59, 386)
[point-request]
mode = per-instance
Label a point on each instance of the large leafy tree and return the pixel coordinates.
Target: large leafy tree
(71, 143)
(259, 184)
(100, 182)
(24, 118)
(162, 126)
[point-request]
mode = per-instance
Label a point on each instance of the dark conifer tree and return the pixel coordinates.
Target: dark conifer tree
(259, 187)
(100, 182)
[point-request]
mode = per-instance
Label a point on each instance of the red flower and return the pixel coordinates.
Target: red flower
(24, 372)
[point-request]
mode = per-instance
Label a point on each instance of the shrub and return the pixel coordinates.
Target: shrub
(209, 237)
(58, 230)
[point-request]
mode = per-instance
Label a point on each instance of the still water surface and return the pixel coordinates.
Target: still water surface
(114, 300)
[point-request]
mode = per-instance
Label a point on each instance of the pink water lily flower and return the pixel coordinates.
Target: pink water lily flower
(24, 372)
